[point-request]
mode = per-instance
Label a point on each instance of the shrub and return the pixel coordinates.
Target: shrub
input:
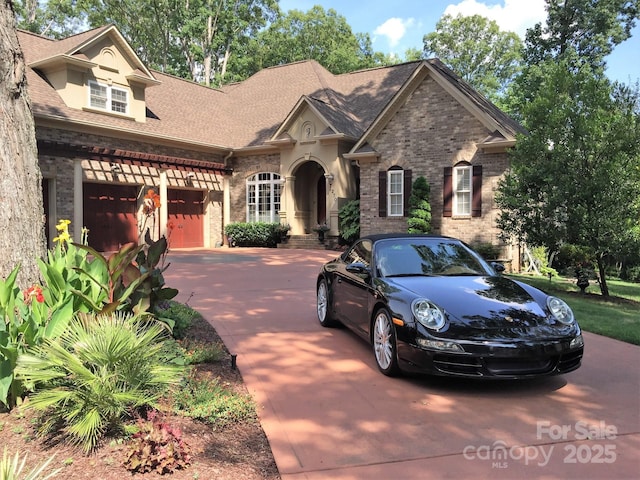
(570, 255)
(419, 220)
(157, 446)
(209, 401)
(349, 221)
(487, 250)
(95, 374)
(631, 274)
(177, 315)
(253, 234)
(201, 352)
(190, 352)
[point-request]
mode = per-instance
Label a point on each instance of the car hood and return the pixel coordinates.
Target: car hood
(477, 305)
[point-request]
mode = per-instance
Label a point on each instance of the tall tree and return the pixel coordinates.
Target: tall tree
(189, 38)
(576, 177)
(21, 206)
(211, 30)
(317, 34)
(590, 28)
(53, 18)
(477, 50)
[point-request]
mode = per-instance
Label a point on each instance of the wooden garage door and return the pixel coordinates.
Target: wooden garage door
(110, 215)
(186, 213)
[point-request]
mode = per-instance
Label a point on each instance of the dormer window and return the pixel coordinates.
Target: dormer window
(107, 98)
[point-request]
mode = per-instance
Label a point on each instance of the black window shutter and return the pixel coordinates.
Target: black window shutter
(447, 193)
(382, 194)
(407, 192)
(476, 201)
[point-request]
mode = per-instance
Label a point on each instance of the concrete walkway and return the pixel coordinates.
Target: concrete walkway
(329, 414)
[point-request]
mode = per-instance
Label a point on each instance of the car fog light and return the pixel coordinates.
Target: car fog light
(440, 345)
(577, 342)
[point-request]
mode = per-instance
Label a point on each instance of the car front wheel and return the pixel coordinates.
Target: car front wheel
(384, 344)
(322, 303)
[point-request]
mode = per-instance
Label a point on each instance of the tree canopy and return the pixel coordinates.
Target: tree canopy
(575, 177)
(477, 50)
(590, 28)
(317, 34)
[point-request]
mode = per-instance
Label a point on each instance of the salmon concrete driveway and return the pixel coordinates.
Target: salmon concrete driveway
(329, 414)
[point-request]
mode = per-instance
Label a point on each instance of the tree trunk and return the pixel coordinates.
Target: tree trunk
(21, 206)
(604, 288)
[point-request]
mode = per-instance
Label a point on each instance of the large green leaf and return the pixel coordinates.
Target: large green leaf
(6, 378)
(59, 319)
(156, 250)
(167, 293)
(54, 279)
(7, 287)
(119, 261)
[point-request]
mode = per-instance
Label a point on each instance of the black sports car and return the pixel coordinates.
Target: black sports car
(431, 304)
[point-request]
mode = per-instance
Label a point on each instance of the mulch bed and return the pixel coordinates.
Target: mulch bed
(237, 452)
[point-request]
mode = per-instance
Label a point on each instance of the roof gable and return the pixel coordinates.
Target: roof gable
(86, 50)
(503, 128)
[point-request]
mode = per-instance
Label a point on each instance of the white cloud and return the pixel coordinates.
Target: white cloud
(394, 29)
(514, 15)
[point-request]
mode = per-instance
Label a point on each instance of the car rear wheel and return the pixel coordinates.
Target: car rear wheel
(322, 303)
(384, 344)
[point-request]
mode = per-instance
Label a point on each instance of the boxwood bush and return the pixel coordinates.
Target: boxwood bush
(254, 234)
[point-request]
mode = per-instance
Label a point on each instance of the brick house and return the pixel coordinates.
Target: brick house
(292, 144)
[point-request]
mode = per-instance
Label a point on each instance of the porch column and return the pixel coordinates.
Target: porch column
(289, 203)
(226, 206)
(164, 202)
(328, 201)
(78, 211)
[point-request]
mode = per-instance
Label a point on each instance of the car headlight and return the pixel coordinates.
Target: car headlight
(560, 310)
(428, 314)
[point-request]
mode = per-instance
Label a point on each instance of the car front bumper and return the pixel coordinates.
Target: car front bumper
(493, 360)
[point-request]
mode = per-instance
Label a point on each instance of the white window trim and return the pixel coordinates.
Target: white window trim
(273, 181)
(109, 107)
(400, 194)
(456, 172)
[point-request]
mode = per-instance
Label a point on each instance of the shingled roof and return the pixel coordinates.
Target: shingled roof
(246, 114)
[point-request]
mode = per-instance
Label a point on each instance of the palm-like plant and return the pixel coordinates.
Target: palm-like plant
(11, 469)
(90, 378)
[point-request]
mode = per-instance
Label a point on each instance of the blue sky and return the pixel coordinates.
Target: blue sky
(396, 25)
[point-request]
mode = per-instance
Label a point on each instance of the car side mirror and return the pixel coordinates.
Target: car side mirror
(358, 268)
(498, 267)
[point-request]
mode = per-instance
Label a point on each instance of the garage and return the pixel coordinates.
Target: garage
(109, 212)
(186, 215)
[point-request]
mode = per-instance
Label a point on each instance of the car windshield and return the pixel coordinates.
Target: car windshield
(427, 257)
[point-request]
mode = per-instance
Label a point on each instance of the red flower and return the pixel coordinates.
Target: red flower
(151, 201)
(31, 292)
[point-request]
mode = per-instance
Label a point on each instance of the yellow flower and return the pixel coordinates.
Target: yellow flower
(63, 237)
(63, 228)
(63, 225)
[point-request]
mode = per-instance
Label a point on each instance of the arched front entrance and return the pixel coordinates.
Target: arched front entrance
(307, 200)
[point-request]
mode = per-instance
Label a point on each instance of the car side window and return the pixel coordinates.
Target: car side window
(360, 252)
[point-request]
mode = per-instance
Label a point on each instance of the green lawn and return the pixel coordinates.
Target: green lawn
(617, 317)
